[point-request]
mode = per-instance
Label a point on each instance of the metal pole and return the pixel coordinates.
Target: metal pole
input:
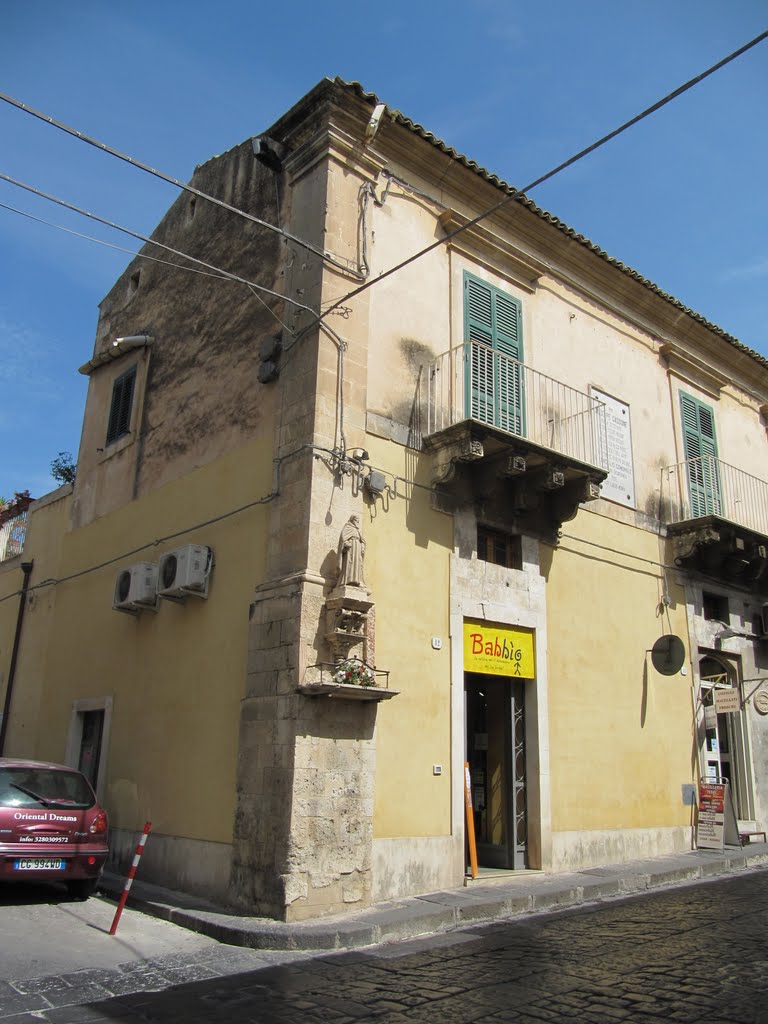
(26, 568)
(131, 876)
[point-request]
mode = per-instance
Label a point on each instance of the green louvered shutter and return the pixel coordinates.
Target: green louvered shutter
(494, 386)
(701, 456)
(120, 408)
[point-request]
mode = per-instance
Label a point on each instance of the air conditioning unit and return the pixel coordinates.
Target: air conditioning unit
(184, 572)
(136, 588)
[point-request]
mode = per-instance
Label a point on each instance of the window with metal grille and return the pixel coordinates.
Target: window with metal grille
(499, 548)
(122, 403)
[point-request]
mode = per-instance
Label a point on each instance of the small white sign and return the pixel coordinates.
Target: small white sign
(727, 701)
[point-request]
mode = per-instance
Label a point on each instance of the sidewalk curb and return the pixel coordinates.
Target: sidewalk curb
(438, 911)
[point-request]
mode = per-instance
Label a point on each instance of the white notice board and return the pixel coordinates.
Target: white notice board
(619, 485)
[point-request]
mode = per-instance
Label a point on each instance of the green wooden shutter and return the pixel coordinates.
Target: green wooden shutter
(700, 456)
(494, 385)
(478, 327)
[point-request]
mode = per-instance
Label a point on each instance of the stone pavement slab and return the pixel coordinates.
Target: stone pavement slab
(634, 959)
(484, 900)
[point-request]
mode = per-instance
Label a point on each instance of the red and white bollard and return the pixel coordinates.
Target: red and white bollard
(131, 876)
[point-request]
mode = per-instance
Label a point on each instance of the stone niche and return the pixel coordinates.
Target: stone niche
(347, 626)
(347, 613)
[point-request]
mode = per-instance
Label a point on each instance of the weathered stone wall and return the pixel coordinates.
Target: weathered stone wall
(197, 395)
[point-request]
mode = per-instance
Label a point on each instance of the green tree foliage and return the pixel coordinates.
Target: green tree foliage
(64, 468)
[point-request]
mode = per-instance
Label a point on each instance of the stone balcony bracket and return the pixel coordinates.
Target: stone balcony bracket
(721, 550)
(509, 479)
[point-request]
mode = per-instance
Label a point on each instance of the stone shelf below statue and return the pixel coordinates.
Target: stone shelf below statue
(346, 691)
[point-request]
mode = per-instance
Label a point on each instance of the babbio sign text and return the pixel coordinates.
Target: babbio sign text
(498, 650)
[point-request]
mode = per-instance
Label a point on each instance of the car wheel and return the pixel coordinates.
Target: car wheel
(82, 889)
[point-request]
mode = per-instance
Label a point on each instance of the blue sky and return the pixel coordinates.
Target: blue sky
(518, 87)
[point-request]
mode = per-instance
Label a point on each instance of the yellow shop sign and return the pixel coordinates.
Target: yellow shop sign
(498, 650)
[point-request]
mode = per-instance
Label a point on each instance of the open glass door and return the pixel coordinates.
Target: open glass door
(495, 722)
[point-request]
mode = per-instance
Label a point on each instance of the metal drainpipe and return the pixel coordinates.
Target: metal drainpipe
(26, 568)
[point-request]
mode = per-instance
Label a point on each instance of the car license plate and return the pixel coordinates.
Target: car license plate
(38, 865)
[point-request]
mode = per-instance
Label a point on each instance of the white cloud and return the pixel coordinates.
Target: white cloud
(748, 272)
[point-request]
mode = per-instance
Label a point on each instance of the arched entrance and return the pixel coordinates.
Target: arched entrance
(723, 743)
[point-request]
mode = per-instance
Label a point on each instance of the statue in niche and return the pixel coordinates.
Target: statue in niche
(351, 554)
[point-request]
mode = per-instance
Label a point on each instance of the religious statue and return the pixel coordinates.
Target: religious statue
(351, 553)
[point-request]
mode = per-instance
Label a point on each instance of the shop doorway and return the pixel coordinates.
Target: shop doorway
(495, 751)
(722, 738)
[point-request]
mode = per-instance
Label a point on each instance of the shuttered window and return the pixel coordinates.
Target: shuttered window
(493, 351)
(122, 403)
(700, 456)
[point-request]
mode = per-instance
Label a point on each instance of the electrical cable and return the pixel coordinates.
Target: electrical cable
(266, 499)
(118, 248)
(151, 241)
(174, 181)
(515, 193)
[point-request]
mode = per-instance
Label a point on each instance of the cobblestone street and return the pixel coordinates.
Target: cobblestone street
(686, 954)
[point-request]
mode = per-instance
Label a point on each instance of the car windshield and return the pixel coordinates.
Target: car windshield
(47, 787)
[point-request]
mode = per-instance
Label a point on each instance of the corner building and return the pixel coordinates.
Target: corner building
(556, 466)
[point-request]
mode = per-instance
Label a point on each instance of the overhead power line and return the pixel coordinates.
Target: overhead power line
(179, 184)
(519, 192)
(109, 245)
(512, 194)
(220, 272)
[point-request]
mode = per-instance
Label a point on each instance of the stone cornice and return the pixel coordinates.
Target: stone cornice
(479, 239)
(333, 143)
(689, 367)
(287, 584)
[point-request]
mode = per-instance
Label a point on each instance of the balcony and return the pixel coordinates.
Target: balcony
(717, 516)
(14, 518)
(524, 448)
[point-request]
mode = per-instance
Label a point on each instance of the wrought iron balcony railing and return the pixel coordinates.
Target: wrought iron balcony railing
(13, 532)
(709, 487)
(475, 382)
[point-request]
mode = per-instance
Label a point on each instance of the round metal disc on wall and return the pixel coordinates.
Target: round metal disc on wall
(668, 654)
(761, 701)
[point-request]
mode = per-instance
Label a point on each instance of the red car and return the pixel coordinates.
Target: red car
(52, 828)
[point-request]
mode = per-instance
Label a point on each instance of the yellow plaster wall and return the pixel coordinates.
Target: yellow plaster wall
(175, 677)
(407, 570)
(620, 734)
(42, 547)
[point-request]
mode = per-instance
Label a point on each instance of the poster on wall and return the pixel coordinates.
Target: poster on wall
(619, 485)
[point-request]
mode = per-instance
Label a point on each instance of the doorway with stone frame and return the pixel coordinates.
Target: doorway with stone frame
(496, 754)
(722, 737)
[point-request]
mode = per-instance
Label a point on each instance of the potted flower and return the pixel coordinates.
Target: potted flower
(354, 672)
